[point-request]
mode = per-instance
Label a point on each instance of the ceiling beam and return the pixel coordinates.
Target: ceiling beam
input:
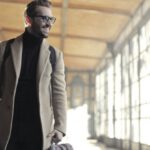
(128, 23)
(59, 35)
(84, 57)
(80, 6)
(88, 38)
(101, 9)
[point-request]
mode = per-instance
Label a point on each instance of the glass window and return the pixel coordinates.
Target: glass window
(97, 109)
(125, 61)
(103, 124)
(118, 82)
(102, 101)
(134, 70)
(110, 97)
(145, 90)
(145, 111)
(127, 113)
(143, 40)
(135, 130)
(144, 63)
(125, 96)
(118, 129)
(144, 126)
(127, 129)
(118, 114)
(135, 94)
(102, 92)
(135, 112)
(134, 46)
(125, 76)
(147, 28)
(97, 88)
(131, 106)
(125, 55)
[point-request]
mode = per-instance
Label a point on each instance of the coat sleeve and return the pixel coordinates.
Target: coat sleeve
(59, 98)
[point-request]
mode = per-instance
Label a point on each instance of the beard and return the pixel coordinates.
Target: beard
(41, 32)
(45, 32)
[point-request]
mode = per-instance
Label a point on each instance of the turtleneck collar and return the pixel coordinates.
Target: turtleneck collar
(30, 39)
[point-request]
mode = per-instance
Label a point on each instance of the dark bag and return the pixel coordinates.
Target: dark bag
(64, 146)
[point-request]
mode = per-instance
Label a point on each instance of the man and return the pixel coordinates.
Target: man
(33, 97)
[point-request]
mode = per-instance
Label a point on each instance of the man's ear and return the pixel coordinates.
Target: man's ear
(28, 20)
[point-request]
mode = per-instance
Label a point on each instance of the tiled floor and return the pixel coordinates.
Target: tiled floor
(77, 131)
(89, 145)
(97, 146)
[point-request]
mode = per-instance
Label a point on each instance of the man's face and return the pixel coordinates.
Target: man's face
(40, 23)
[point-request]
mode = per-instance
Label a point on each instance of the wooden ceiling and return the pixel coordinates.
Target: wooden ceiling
(84, 28)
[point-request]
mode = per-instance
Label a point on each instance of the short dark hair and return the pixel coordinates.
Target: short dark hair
(31, 7)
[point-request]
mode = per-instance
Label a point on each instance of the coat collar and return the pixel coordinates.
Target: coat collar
(16, 51)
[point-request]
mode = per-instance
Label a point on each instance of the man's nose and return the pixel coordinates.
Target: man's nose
(48, 23)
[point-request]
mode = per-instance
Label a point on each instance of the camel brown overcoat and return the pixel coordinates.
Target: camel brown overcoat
(52, 109)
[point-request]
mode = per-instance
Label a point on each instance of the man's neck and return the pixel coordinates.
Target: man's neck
(29, 30)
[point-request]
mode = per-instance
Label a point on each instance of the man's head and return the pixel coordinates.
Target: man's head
(39, 17)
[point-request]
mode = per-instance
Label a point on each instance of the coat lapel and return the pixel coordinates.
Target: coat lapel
(44, 55)
(16, 51)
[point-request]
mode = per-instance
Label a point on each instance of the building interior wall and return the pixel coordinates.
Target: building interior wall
(118, 95)
(122, 94)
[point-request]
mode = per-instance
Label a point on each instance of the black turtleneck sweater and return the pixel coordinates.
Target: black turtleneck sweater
(31, 46)
(26, 122)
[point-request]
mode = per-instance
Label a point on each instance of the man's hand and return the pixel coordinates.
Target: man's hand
(57, 136)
